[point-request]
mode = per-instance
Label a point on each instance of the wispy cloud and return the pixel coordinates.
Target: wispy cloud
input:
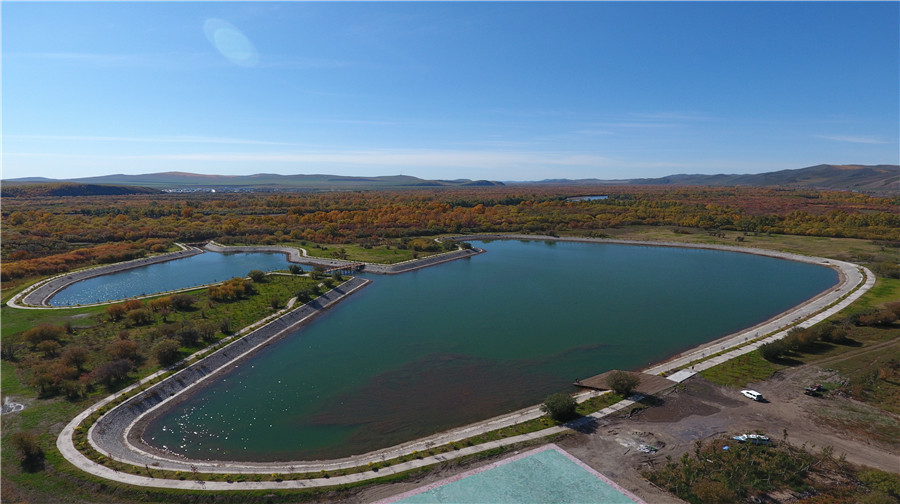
(408, 158)
(853, 139)
(158, 140)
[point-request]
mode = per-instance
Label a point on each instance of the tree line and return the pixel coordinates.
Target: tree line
(44, 236)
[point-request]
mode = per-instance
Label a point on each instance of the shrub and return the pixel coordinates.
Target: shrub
(559, 406)
(112, 373)
(44, 332)
(166, 351)
(116, 311)
(123, 349)
(75, 355)
(140, 316)
(257, 276)
(878, 318)
(772, 351)
(182, 302)
(622, 383)
(49, 348)
(188, 335)
(28, 451)
(295, 270)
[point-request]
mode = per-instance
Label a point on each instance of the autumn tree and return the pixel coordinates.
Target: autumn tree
(166, 351)
(44, 332)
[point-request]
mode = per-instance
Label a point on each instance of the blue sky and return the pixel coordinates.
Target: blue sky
(480, 90)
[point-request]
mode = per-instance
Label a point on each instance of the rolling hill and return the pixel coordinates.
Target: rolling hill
(876, 179)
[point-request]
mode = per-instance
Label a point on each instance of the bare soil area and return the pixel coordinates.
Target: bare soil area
(699, 410)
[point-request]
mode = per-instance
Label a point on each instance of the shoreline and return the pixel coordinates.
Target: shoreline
(38, 295)
(830, 301)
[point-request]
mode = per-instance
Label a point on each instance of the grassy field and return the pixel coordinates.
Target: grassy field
(844, 249)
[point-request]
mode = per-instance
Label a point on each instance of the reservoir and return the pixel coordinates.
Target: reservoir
(425, 351)
(190, 271)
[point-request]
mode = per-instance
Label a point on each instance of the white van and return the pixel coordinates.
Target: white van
(752, 394)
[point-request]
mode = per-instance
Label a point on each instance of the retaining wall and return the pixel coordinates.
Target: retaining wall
(108, 433)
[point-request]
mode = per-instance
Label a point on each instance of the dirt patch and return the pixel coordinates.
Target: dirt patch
(699, 410)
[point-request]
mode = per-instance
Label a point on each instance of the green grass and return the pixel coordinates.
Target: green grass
(16, 320)
(884, 291)
(380, 254)
(739, 371)
(845, 249)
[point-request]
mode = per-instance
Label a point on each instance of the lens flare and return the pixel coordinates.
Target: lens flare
(229, 41)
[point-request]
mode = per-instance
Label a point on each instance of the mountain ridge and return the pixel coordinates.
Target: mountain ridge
(868, 178)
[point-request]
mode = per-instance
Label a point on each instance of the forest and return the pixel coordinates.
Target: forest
(49, 235)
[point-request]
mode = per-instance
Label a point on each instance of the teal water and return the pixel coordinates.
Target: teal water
(192, 271)
(421, 352)
(547, 476)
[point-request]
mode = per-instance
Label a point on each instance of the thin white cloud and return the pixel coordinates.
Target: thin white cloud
(853, 139)
(167, 139)
(407, 158)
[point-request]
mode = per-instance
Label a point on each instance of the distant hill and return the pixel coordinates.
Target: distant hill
(879, 178)
(174, 181)
(15, 189)
(825, 176)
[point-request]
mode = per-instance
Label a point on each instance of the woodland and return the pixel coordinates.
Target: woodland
(50, 235)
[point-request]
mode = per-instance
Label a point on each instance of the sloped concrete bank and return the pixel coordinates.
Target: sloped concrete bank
(108, 435)
(40, 294)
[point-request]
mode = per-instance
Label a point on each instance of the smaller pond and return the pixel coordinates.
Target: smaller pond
(587, 198)
(193, 271)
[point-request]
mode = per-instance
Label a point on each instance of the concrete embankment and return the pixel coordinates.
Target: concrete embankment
(109, 432)
(39, 295)
(300, 256)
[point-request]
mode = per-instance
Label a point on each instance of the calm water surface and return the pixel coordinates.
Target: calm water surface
(425, 351)
(191, 271)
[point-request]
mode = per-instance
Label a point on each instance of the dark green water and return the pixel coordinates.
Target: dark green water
(421, 352)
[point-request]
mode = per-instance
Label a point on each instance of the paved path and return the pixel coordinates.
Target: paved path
(852, 277)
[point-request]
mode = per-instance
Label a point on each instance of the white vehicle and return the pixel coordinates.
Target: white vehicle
(753, 438)
(752, 394)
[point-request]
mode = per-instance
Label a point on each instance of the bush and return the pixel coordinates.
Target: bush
(28, 451)
(559, 406)
(182, 302)
(112, 373)
(257, 276)
(295, 270)
(140, 316)
(878, 318)
(123, 349)
(166, 351)
(44, 332)
(772, 351)
(49, 348)
(622, 383)
(116, 311)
